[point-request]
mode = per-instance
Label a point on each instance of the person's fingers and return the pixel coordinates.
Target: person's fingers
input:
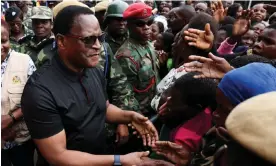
(161, 153)
(163, 106)
(190, 39)
(199, 58)
(192, 44)
(220, 5)
(144, 138)
(199, 76)
(208, 29)
(193, 64)
(191, 34)
(215, 58)
(194, 31)
(143, 154)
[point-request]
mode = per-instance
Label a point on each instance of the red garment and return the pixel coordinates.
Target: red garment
(190, 133)
(137, 11)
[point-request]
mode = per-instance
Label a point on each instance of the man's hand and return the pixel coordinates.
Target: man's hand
(212, 67)
(201, 39)
(133, 158)
(242, 25)
(122, 134)
(6, 121)
(218, 11)
(145, 128)
(174, 152)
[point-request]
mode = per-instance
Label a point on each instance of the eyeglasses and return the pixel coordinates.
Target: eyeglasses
(141, 23)
(89, 40)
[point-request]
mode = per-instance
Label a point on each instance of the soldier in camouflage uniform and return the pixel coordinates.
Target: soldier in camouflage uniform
(116, 31)
(14, 18)
(138, 59)
(41, 43)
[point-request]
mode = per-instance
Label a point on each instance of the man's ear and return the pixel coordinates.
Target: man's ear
(61, 41)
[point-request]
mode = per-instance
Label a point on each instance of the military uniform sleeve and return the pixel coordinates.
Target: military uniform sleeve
(40, 112)
(121, 72)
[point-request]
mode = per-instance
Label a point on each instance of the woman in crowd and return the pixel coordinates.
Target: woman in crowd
(16, 68)
(235, 10)
(14, 17)
(156, 28)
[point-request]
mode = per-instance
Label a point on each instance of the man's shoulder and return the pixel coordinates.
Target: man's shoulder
(26, 39)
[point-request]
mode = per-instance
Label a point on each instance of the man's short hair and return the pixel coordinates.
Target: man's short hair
(65, 18)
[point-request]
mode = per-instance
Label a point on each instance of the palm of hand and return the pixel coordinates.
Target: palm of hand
(175, 153)
(142, 128)
(205, 41)
(219, 15)
(240, 27)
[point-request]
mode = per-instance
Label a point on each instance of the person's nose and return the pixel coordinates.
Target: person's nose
(97, 45)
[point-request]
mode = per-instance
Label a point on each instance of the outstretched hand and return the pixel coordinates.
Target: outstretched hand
(212, 67)
(174, 152)
(242, 24)
(201, 39)
(218, 11)
(145, 128)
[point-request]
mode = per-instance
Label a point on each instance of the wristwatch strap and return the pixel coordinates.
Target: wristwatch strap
(117, 161)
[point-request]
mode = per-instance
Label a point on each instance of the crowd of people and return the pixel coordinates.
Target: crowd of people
(143, 82)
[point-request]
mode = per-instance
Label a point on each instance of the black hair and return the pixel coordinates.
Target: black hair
(160, 26)
(65, 18)
(187, 12)
(232, 10)
(197, 91)
(227, 20)
(247, 59)
(228, 28)
(168, 39)
(272, 26)
(5, 25)
(198, 22)
(12, 13)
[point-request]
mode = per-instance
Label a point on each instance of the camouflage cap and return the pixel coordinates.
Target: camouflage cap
(42, 12)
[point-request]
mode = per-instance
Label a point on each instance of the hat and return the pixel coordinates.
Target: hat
(101, 6)
(12, 13)
(64, 4)
(137, 11)
(42, 12)
(252, 124)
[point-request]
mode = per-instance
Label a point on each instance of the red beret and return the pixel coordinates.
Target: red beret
(137, 11)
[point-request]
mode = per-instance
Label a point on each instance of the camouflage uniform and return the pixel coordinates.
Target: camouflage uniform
(14, 44)
(138, 62)
(27, 21)
(38, 51)
(114, 44)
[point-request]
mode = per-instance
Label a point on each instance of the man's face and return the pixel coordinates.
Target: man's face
(164, 11)
(82, 51)
(248, 39)
(42, 28)
(175, 21)
(141, 29)
(149, 3)
(117, 26)
(200, 7)
(162, 5)
(259, 13)
(258, 28)
(266, 44)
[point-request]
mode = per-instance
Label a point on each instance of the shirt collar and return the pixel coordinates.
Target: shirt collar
(68, 73)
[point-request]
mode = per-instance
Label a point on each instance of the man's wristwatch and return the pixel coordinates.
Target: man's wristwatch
(117, 161)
